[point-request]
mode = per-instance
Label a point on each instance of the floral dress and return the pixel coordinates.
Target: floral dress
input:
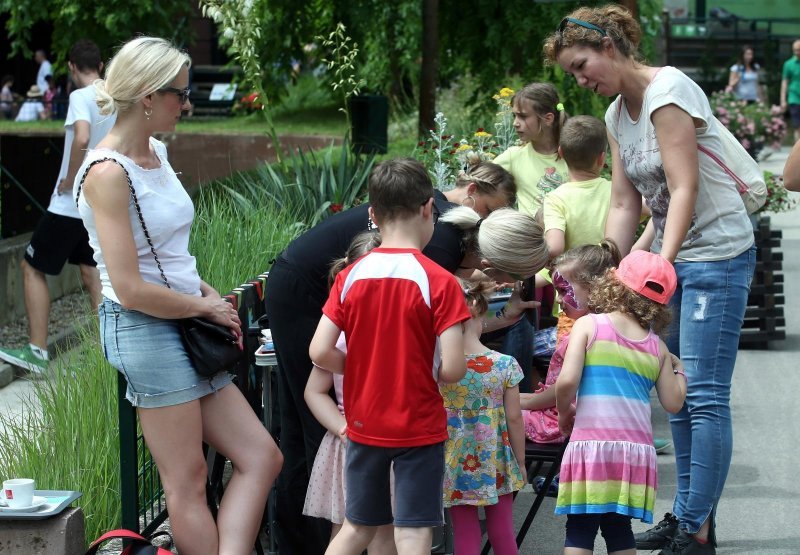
(479, 463)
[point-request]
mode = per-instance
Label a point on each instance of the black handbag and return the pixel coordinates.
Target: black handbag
(211, 347)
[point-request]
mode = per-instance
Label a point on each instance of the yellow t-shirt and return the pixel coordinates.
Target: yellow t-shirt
(580, 210)
(535, 174)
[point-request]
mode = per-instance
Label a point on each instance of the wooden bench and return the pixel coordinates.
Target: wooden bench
(203, 80)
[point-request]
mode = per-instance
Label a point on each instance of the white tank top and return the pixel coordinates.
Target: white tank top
(168, 213)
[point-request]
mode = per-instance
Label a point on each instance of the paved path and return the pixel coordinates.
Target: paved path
(755, 515)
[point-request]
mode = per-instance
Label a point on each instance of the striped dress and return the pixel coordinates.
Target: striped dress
(610, 464)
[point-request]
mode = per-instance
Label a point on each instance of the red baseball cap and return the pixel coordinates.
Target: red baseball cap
(648, 274)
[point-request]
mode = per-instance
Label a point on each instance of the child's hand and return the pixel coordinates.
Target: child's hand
(343, 434)
(566, 420)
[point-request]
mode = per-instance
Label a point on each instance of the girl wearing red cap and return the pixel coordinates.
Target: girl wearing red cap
(614, 357)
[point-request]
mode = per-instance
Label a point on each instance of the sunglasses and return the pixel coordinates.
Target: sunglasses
(183, 94)
(580, 22)
(434, 210)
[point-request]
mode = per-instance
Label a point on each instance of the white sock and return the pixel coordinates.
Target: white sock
(39, 352)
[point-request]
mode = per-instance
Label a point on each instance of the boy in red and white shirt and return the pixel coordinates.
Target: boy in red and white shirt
(401, 314)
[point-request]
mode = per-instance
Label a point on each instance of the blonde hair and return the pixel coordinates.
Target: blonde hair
(588, 262)
(511, 241)
(141, 67)
(490, 180)
(359, 246)
(617, 22)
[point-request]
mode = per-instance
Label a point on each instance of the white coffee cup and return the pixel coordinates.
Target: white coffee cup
(18, 492)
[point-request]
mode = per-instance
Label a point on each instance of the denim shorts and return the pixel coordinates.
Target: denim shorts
(150, 354)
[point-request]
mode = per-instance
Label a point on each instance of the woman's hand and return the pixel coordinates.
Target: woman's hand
(515, 305)
(221, 312)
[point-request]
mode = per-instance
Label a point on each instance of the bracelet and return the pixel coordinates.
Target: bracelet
(680, 372)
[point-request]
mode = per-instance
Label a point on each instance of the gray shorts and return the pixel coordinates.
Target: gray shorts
(150, 354)
(794, 115)
(418, 478)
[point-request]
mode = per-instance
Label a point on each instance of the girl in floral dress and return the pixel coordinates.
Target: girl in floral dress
(485, 452)
(326, 486)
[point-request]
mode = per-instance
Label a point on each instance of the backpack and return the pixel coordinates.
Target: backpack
(137, 546)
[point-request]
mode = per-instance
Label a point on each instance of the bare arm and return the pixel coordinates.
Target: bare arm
(556, 241)
(784, 88)
(516, 430)
(80, 142)
(675, 132)
(791, 173)
(626, 204)
(320, 403)
(454, 365)
(323, 351)
(671, 387)
(733, 80)
(106, 191)
(538, 401)
(645, 240)
(571, 372)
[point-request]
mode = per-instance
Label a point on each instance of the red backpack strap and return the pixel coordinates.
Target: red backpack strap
(114, 534)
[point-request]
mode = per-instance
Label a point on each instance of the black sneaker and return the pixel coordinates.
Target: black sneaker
(685, 544)
(659, 536)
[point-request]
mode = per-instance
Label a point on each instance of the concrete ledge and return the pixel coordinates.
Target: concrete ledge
(12, 301)
(63, 534)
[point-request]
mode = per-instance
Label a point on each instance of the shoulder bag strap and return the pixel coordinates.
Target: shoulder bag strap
(135, 204)
(740, 185)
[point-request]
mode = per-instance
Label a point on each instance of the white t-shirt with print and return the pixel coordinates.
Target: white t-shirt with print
(720, 228)
(82, 107)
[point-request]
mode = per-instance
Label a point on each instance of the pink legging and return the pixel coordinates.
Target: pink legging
(499, 527)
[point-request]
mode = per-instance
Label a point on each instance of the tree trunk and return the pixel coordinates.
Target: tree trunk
(430, 65)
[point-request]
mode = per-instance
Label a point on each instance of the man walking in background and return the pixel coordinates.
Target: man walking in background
(45, 69)
(60, 236)
(790, 88)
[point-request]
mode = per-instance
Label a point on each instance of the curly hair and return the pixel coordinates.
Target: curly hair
(608, 294)
(617, 22)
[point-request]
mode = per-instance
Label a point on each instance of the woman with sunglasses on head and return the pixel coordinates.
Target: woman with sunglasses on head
(472, 231)
(138, 218)
(655, 126)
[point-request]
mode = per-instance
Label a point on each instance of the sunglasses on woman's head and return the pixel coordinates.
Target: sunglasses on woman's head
(580, 22)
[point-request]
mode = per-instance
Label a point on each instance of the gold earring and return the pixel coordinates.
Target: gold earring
(471, 198)
(148, 114)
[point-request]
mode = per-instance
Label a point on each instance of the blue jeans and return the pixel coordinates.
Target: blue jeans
(708, 311)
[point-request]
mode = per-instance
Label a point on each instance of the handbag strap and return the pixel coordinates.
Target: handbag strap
(741, 185)
(135, 204)
(115, 534)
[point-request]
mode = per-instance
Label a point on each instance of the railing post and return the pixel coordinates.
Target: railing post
(128, 464)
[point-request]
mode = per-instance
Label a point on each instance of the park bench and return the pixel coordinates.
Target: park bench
(209, 87)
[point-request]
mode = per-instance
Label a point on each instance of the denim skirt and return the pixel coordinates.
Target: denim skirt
(150, 354)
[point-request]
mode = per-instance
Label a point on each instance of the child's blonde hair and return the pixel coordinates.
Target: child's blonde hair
(589, 262)
(608, 294)
(477, 293)
(359, 246)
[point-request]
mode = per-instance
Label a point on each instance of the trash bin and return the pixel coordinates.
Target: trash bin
(369, 123)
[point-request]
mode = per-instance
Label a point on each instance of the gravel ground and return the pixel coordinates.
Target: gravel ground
(63, 313)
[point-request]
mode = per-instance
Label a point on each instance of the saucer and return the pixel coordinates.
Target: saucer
(37, 503)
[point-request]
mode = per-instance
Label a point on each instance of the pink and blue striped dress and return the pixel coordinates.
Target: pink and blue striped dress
(610, 464)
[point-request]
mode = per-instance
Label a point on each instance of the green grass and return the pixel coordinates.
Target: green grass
(72, 443)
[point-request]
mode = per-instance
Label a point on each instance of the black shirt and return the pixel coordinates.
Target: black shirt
(312, 253)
